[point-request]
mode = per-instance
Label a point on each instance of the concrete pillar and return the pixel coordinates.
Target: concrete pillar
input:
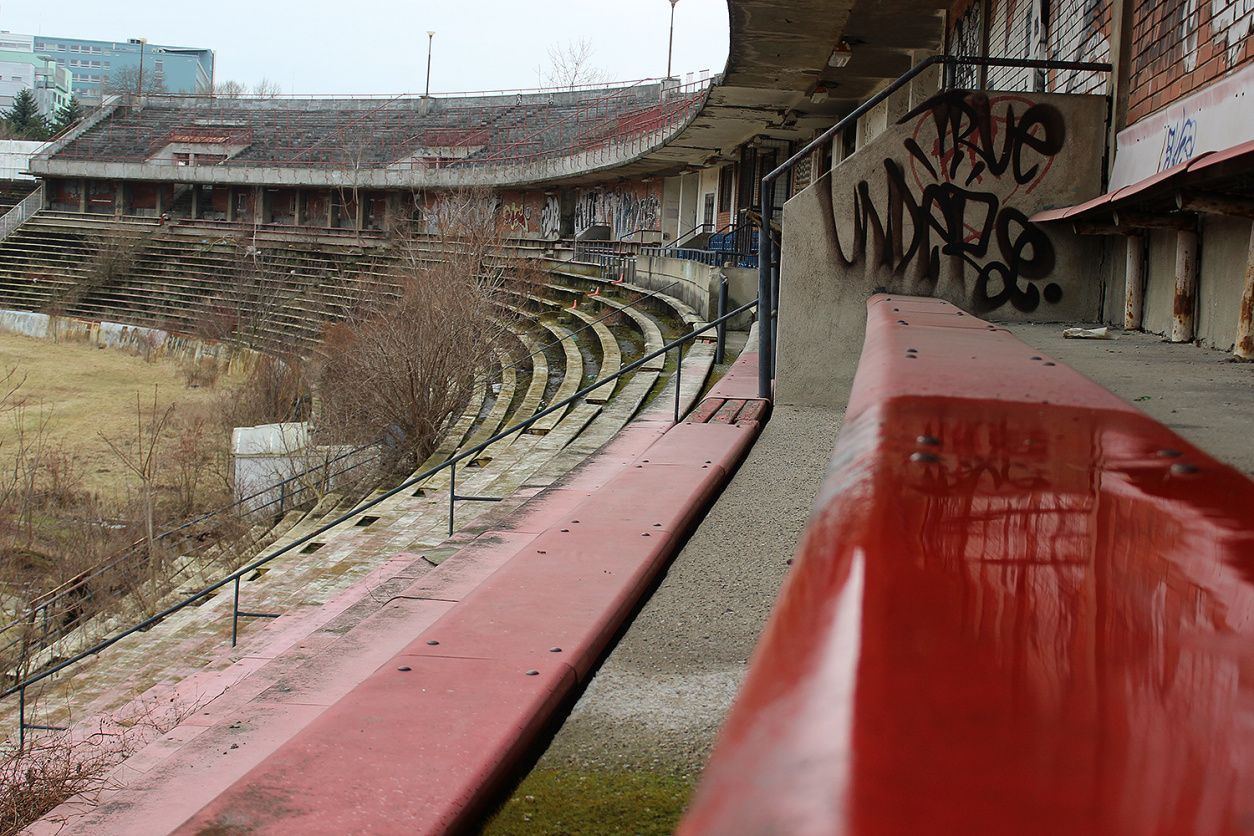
(330, 209)
(230, 203)
(1185, 303)
(160, 199)
(119, 199)
(260, 213)
(1134, 283)
(1245, 319)
(195, 202)
(82, 196)
(298, 207)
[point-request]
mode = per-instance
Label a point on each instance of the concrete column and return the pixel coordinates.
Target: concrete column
(1134, 283)
(298, 207)
(160, 201)
(82, 196)
(359, 199)
(195, 201)
(260, 215)
(1245, 319)
(1185, 303)
(230, 203)
(330, 208)
(119, 199)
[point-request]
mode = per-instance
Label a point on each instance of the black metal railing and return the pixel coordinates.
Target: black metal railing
(233, 579)
(768, 257)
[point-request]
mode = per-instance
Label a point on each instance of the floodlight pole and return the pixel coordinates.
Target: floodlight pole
(430, 43)
(140, 85)
(670, 49)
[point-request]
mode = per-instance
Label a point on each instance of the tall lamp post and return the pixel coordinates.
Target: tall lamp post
(140, 83)
(430, 43)
(670, 49)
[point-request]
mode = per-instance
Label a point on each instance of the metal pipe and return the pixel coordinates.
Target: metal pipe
(452, 495)
(679, 378)
(766, 363)
(720, 347)
(1134, 283)
(235, 614)
(1244, 348)
(1184, 304)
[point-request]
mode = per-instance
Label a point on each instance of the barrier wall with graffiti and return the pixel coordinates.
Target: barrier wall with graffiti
(940, 205)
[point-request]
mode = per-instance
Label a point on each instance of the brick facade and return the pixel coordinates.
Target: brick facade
(1178, 46)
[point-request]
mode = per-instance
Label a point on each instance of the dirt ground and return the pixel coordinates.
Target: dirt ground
(85, 393)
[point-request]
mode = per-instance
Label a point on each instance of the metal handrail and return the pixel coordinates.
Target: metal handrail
(21, 212)
(449, 463)
(768, 269)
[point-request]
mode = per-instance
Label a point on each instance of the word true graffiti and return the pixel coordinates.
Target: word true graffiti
(968, 156)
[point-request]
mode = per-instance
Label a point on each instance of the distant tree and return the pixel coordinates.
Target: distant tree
(125, 82)
(571, 65)
(70, 112)
(229, 89)
(24, 117)
(267, 89)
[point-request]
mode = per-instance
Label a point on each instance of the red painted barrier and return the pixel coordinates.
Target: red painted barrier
(431, 737)
(1022, 606)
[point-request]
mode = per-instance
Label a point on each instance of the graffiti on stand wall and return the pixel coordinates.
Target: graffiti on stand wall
(551, 218)
(953, 206)
(624, 212)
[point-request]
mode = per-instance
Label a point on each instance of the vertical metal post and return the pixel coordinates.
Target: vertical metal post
(720, 347)
(235, 614)
(766, 363)
(452, 495)
(679, 377)
(21, 719)
(775, 251)
(283, 497)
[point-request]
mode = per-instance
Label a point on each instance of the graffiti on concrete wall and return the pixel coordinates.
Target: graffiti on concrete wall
(514, 216)
(952, 206)
(624, 212)
(551, 218)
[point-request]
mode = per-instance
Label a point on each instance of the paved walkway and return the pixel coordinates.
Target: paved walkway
(1198, 392)
(635, 742)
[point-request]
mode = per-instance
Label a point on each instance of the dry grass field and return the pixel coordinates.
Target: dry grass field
(87, 394)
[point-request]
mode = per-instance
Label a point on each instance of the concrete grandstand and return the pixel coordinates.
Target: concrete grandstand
(1014, 591)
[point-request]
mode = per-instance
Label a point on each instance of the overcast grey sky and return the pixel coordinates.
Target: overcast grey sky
(379, 46)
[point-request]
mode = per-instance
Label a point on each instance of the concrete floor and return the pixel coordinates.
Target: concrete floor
(657, 702)
(1198, 392)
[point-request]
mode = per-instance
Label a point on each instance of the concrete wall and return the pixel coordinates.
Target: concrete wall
(938, 206)
(697, 284)
(133, 339)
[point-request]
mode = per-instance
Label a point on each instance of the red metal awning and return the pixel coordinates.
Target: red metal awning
(1209, 166)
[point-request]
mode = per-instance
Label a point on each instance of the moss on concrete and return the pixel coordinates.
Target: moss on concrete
(552, 801)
